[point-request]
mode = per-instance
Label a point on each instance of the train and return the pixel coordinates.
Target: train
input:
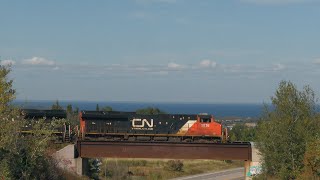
(130, 126)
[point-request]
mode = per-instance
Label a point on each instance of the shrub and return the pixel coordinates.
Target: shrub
(174, 165)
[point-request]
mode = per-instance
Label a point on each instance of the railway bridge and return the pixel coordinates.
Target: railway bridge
(79, 153)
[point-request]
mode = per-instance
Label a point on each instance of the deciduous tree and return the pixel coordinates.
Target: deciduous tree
(285, 130)
(21, 156)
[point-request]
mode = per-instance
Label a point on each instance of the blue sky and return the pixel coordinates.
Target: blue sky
(213, 51)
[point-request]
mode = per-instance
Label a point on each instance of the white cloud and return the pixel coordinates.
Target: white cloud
(56, 68)
(160, 73)
(38, 61)
(173, 65)
(7, 62)
(276, 2)
(316, 61)
(278, 67)
(206, 63)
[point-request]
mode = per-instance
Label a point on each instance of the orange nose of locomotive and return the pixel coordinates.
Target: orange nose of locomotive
(206, 126)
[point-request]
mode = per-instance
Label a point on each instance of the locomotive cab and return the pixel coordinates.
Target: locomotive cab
(205, 119)
(206, 126)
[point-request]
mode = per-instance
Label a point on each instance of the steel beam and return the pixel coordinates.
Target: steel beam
(164, 150)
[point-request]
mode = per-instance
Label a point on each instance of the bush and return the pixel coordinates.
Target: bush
(174, 165)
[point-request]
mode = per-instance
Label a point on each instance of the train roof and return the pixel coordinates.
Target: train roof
(105, 114)
(48, 114)
(122, 114)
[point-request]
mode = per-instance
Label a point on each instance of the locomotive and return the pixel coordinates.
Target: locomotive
(130, 126)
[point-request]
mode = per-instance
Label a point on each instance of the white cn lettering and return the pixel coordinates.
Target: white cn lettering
(136, 123)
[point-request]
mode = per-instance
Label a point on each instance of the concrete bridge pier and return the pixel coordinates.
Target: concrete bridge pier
(253, 167)
(67, 159)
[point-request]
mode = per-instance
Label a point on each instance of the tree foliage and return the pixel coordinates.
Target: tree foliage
(311, 160)
(6, 90)
(56, 106)
(22, 156)
(286, 129)
(106, 108)
(149, 111)
(240, 132)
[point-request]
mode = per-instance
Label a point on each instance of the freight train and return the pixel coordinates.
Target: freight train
(130, 126)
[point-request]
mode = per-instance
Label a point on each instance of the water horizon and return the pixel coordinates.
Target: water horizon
(244, 110)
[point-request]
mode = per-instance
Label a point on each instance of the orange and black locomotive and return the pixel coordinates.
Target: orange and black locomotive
(98, 125)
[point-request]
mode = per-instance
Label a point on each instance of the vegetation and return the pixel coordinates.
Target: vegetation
(22, 157)
(159, 169)
(240, 132)
(107, 108)
(174, 165)
(288, 135)
(149, 111)
(312, 160)
(94, 168)
(56, 106)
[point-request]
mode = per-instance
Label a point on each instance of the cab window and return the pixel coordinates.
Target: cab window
(205, 120)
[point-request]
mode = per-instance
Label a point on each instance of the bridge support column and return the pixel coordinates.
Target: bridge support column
(67, 160)
(82, 166)
(253, 167)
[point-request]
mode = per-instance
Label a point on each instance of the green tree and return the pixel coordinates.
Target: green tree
(56, 106)
(76, 110)
(285, 130)
(97, 107)
(22, 156)
(69, 108)
(94, 168)
(311, 160)
(240, 132)
(72, 116)
(107, 108)
(7, 93)
(149, 111)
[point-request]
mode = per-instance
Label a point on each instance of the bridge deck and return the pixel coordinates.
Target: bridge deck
(166, 150)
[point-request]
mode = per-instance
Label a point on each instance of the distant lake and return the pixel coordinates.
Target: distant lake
(218, 110)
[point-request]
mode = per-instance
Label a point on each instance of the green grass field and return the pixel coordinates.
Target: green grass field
(159, 169)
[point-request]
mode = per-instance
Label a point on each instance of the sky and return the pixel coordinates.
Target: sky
(208, 51)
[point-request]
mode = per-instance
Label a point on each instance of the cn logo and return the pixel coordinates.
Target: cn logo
(140, 123)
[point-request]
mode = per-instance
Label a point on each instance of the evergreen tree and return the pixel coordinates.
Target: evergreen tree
(97, 107)
(56, 106)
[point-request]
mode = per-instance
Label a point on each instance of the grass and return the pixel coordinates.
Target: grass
(141, 169)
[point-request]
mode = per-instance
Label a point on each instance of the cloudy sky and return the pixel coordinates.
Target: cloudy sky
(213, 51)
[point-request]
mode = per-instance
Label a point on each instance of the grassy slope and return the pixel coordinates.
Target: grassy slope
(157, 169)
